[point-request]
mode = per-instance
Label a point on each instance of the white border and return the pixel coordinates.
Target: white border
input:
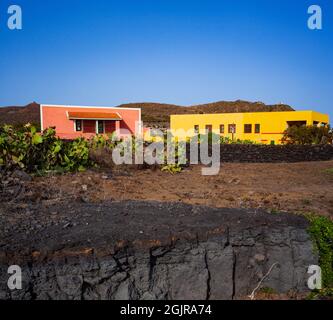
(41, 117)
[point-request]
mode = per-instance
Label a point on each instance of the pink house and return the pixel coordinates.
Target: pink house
(76, 121)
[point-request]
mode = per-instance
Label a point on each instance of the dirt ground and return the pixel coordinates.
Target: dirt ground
(52, 212)
(297, 187)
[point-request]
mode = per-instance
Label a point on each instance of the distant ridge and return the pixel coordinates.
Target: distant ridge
(152, 113)
(159, 112)
(20, 115)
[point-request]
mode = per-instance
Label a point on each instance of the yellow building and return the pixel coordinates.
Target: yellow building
(260, 127)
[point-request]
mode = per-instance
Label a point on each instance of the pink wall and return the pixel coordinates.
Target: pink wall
(56, 116)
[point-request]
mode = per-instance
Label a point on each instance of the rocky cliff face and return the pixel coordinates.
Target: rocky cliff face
(160, 251)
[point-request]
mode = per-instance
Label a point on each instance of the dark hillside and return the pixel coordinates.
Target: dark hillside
(152, 113)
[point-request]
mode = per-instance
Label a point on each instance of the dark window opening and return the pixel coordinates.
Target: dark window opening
(209, 128)
(232, 128)
(257, 128)
(78, 125)
(296, 123)
(221, 128)
(196, 128)
(247, 128)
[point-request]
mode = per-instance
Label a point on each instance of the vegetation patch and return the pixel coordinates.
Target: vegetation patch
(308, 135)
(212, 138)
(172, 168)
(330, 170)
(35, 152)
(321, 230)
(324, 294)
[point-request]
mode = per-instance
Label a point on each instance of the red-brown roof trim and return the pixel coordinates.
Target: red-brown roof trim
(94, 116)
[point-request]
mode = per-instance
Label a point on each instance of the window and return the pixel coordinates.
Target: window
(221, 128)
(100, 127)
(196, 129)
(247, 128)
(209, 128)
(232, 128)
(257, 128)
(78, 125)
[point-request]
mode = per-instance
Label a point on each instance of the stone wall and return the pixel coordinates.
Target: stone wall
(274, 153)
(164, 251)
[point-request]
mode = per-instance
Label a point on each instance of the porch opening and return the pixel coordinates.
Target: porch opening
(95, 122)
(296, 123)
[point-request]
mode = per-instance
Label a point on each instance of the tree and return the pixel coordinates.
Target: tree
(307, 135)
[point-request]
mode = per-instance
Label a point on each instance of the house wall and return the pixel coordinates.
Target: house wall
(272, 124)
(56, 116)
(110, 126)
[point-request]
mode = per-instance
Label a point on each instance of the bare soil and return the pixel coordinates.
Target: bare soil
(295, 187)
(40, 216)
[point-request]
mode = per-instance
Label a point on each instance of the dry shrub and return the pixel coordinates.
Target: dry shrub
(102, 157)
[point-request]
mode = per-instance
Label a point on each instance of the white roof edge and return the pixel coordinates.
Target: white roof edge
(90, 107)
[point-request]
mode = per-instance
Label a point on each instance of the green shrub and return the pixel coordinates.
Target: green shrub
(31, 151)
(103, 141)
(172, 168)
(212, 137)
(225, 140)
(321, 230)
(179, 157)
(324, 294)
(307, 135)
(238, 141)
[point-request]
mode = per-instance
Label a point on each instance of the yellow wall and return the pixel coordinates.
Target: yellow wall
(272, 124)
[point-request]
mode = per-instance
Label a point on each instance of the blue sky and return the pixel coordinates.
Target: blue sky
(106, 52)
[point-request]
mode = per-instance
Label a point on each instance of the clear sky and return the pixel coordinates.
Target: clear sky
(106, 52)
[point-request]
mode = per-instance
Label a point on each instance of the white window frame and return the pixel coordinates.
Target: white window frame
(75, 128)
(97, 126)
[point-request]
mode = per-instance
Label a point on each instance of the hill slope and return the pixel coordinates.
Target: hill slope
(157, 112)
(152, 113)
(20, 115)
